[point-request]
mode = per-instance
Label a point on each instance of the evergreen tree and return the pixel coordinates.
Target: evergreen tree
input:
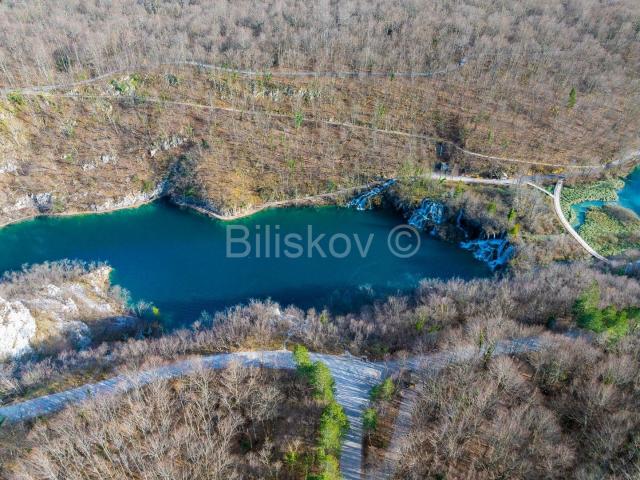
(572, 98)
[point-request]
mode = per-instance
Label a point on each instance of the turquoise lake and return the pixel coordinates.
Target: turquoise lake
(176, 258)
(628, 197)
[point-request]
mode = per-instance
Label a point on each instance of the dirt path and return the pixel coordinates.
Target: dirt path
(354, 379)
(331, 123)
(557, 192)
(401, 428)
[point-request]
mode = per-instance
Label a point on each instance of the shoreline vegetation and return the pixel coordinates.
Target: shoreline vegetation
(518, 305)
(610, 228)
(602, 190)
(185, 204)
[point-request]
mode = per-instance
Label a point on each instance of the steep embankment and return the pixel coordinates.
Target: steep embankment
(231, 143)
(52, 306)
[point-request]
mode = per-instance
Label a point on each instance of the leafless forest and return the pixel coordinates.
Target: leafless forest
(590, 39)
(237, 423)
(553, 82)
(567, 412)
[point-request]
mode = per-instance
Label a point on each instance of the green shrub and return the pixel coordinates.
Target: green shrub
(384, 390)
(63, 60)
(613, 322)
(322, 382)
(147, 186)
(120, 87)
(301, 356)
(333, 427)
(172, 80)
(572, 98)
(298, 119)
(333, 421)
(16, 98)
(317, 374)
(329, 469)
(370, 420)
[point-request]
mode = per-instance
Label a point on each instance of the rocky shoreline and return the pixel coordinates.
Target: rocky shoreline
(429, 214)
(54, 306)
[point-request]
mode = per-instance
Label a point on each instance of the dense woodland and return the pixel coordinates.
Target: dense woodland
(548, 84)
(570, 411)
(237, 423)
(596, 41)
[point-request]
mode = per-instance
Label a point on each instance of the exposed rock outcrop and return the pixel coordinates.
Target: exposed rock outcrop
(55, 306)
(131, 199)
(17, 329)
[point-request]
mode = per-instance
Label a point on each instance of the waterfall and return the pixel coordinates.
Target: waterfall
(362, 201)
(495, 252)
(632, 268)
(459, 223)
(429, 211)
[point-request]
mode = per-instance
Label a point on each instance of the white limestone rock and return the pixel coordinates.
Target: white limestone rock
(17, 329)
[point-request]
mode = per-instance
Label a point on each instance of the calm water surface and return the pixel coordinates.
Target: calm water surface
(628, 197)
(177, 259)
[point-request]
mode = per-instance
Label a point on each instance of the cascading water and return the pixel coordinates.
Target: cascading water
(428, 212)
(362, 201)
(459, 223)
(495, 252)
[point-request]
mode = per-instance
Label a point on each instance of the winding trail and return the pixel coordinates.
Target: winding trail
(343, 191)
(36, 89)
(330, 123)
(557, 193)
(353, 376)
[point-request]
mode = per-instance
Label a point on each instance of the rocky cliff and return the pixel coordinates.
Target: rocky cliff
(55, 306)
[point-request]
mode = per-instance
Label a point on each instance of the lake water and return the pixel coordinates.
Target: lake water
(628, 197)
(178, 259)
